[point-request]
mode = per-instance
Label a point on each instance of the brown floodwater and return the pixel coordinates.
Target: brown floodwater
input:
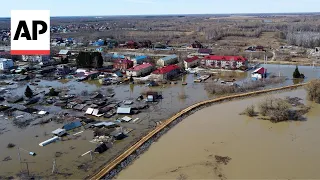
(176, 97)
(259, 149)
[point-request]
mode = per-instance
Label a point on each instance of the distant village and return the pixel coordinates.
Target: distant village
(86, 62)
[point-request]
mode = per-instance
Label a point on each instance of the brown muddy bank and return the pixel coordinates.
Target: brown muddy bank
(258, 149)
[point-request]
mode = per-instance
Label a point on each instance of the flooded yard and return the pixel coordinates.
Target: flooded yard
(175, 97)
(258, 149)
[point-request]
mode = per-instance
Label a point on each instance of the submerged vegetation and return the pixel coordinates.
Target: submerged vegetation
(221, 89)
(249, 111)
(313, 90)
(278, 110)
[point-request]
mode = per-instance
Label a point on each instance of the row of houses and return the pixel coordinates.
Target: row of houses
(168, 67)
(218, 62)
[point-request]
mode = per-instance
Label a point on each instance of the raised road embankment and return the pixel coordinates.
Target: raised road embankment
(124, 159)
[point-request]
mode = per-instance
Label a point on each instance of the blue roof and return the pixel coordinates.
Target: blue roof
(169, 57)
(119, 74)
(98, 43)
(140, 57)
(118, 56)
(72, 125)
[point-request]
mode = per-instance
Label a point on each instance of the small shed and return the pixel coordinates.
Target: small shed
(118, 135)
(59, 132)
(126, 119)
(124, 110)
(102, 148)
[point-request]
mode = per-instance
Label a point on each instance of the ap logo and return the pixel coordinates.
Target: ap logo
(30, 32)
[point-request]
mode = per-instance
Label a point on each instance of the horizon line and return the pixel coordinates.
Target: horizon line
(282, 13)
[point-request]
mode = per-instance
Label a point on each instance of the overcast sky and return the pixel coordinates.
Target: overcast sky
(156, 7)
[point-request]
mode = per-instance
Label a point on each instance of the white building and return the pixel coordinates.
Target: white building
(37, 58)
(5, 64)
(165, 61)
(192, 62)
(140, 70)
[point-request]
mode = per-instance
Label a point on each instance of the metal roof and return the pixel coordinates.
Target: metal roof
(65, 52)
(140, 67)
(106, 124)
(58, 131)
(72, 125)
(169, 57)
(137, 58)
(124, 110)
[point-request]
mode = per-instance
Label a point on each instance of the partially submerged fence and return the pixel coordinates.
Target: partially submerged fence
(113, 164)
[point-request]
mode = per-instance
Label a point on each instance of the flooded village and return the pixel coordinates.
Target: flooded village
(78, 119)
(74, 113)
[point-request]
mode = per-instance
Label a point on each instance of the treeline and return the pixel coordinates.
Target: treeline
(303, 39)
(219, 33)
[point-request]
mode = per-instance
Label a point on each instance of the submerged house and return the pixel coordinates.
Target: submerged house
(15, 99)
(64, 53)
(102, 148)
(63, 70)
(72, 125)
(46, 70)
(259, 73)
(94, 112)
(59, 132)
(124, 110)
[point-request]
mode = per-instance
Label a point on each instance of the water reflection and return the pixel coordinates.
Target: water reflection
(297, 81)
(131, 88)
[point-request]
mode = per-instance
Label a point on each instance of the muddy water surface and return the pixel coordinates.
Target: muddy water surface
(259, 149)
(176, 97)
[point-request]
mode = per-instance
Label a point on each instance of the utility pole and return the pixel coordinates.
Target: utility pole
(54, 166)
(27, 164)
(19, 155)
(89, 152)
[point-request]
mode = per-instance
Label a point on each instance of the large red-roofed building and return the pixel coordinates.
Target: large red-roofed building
(167, 72)
(140, 70)
(225, 62)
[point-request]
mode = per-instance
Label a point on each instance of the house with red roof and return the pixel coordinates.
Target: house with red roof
(259, 73)
(140, 70)
(122, 64)
(225, 62)
(167, 72)
(192, 62)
